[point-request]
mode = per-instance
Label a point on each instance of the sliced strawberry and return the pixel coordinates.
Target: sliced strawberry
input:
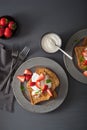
(27, 71)
(85, 49)
(32, 83)
(21, 78)
(85, 73)
(41, 77)
(45, 87)
(84, 53)
(38, 84)
(27, 77)
(85, 62)
(49, 92)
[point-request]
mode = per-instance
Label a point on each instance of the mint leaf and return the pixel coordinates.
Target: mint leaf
(22, 88)
(85, 68)
(48, 81)
(81, 58)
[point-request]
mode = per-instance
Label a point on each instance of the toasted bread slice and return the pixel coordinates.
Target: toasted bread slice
(78, 52)
(84, 43)
(44, 96)
(54, 78)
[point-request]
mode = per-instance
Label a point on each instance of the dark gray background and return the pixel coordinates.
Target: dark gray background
(36, 17)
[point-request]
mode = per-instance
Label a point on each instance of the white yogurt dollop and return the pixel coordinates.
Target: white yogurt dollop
(48, 44)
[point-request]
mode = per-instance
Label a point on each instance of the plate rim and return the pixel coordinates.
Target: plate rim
(26, 99)
(79, 77)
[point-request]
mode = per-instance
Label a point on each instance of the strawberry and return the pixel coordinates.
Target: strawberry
(32, 83)
(85, 73)
(21, 78)
(12, 25)
(84, 53)
(49, 92)
(41, 77)
(27, 77)
(7, 32)
(27, 71)
(38, 84)
(85, 62)
(4, 21)
(45, 87)
(1, 31)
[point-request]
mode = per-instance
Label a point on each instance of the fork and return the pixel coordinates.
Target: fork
(14, 57)
(21, 57)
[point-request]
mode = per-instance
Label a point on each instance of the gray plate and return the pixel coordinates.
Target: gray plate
(71, 66)
(48, 105)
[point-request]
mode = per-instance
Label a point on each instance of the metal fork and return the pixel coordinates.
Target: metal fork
(21, 57)
(14, 58)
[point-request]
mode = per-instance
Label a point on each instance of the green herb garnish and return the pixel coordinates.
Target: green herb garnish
(22, 88)
(48, 81)
(81, 58)
(85, 68)
(38, 91)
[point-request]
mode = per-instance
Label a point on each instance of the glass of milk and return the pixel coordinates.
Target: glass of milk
(47, 42)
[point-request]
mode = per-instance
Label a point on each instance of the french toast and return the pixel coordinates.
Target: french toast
(81, 55)
(43, 96)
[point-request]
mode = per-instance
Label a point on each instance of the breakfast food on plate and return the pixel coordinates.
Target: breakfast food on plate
(7, 27)
(81, 56)
(41, 84)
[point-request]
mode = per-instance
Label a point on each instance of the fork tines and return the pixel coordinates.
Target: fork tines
(24, 53)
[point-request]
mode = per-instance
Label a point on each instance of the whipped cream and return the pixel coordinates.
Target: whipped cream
(35, 76)
(36, 90)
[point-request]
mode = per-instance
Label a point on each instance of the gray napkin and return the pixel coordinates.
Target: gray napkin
(6, 100)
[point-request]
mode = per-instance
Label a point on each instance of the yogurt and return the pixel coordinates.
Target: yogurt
(48, 42)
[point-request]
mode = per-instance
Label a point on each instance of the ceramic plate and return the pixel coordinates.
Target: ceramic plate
(71, 65)
(46, 106)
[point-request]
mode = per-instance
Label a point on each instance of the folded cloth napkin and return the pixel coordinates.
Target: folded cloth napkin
(6, 100)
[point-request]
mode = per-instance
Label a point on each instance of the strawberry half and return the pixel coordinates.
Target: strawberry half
(27, 77)
(38, 84)
(49, 92)
(27, 71)
(32, 83)
(45, 87)
(21, 78)
(85, 73)
(84, 53)
(41, 77)
(85, 62)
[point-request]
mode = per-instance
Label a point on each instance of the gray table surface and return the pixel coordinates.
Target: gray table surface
(35, 18)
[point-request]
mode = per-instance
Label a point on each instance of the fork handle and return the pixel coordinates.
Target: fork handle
(9, 80)
(10, 73)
